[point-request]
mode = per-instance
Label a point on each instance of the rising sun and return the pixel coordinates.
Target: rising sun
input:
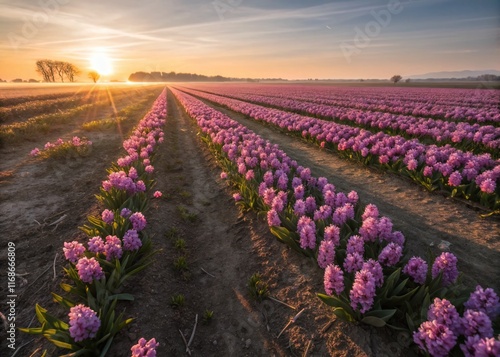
(101, 63)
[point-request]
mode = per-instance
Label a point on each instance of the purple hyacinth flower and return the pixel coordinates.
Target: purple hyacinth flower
(73, 251)
(333, 280)
(83, 322)
(447, 264)
(416, 268)
(144, 348)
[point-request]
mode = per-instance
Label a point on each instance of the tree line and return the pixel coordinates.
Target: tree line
(173, 77)
(187, 77)
(51, 70)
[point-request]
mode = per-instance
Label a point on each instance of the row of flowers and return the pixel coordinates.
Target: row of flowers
(474, 136)
(31, 106)
(76, 146)
(367, 275)
(471, 105)
(462, 174)
(118, 248)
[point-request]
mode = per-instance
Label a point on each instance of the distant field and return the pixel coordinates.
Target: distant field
(422, 84)
(12, 90)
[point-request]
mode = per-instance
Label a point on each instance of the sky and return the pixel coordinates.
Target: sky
(289, 39)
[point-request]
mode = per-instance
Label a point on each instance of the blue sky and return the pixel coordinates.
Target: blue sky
(253, 38)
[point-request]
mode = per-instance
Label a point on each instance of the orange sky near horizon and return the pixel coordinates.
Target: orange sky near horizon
(258, 39)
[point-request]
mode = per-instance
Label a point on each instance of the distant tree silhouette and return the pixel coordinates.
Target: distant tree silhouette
(46, 68)
(407, 80)
(488, 77)
(396, 78)
(49, 68)
(186, 77)
(59, 69)
(174, 77)
(94, 76)
(70, 70)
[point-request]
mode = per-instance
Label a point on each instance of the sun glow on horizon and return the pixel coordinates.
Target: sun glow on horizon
(101, 63)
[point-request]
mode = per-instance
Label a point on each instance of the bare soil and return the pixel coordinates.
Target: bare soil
(223, 248)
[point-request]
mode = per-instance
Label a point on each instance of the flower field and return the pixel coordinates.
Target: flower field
(247, 219)
(472, 174)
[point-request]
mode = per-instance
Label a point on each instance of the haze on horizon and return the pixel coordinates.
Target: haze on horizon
(252, 38)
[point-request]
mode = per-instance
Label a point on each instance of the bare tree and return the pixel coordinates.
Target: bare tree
(59, 68)
(51, 66)
(49, 69)
(94, 76)
(43, 69)
(70, 70)
(396, 78)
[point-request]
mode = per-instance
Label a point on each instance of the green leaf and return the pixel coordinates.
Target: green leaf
(91, 301)
(32, 330)
(49, 321)
(49, 331)
(68, 288)
(126, 322)
(40, 313)
(335, 302)
(343, 315)
(382, 314)
(419, 296)
(104, 338)
(135, 271)
(63, 301)
(374, 321)
(436, 284)
(106, 347)
(61, 344)
(397, 328)
(389, 283)
(425, 307)
(400, 287)
(284, 236)
(288, 224)
(410, 323)
(396, 300)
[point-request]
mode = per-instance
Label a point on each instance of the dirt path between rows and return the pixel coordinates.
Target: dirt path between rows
(425, 219)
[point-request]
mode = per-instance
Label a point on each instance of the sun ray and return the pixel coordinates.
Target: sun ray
(115, 113)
